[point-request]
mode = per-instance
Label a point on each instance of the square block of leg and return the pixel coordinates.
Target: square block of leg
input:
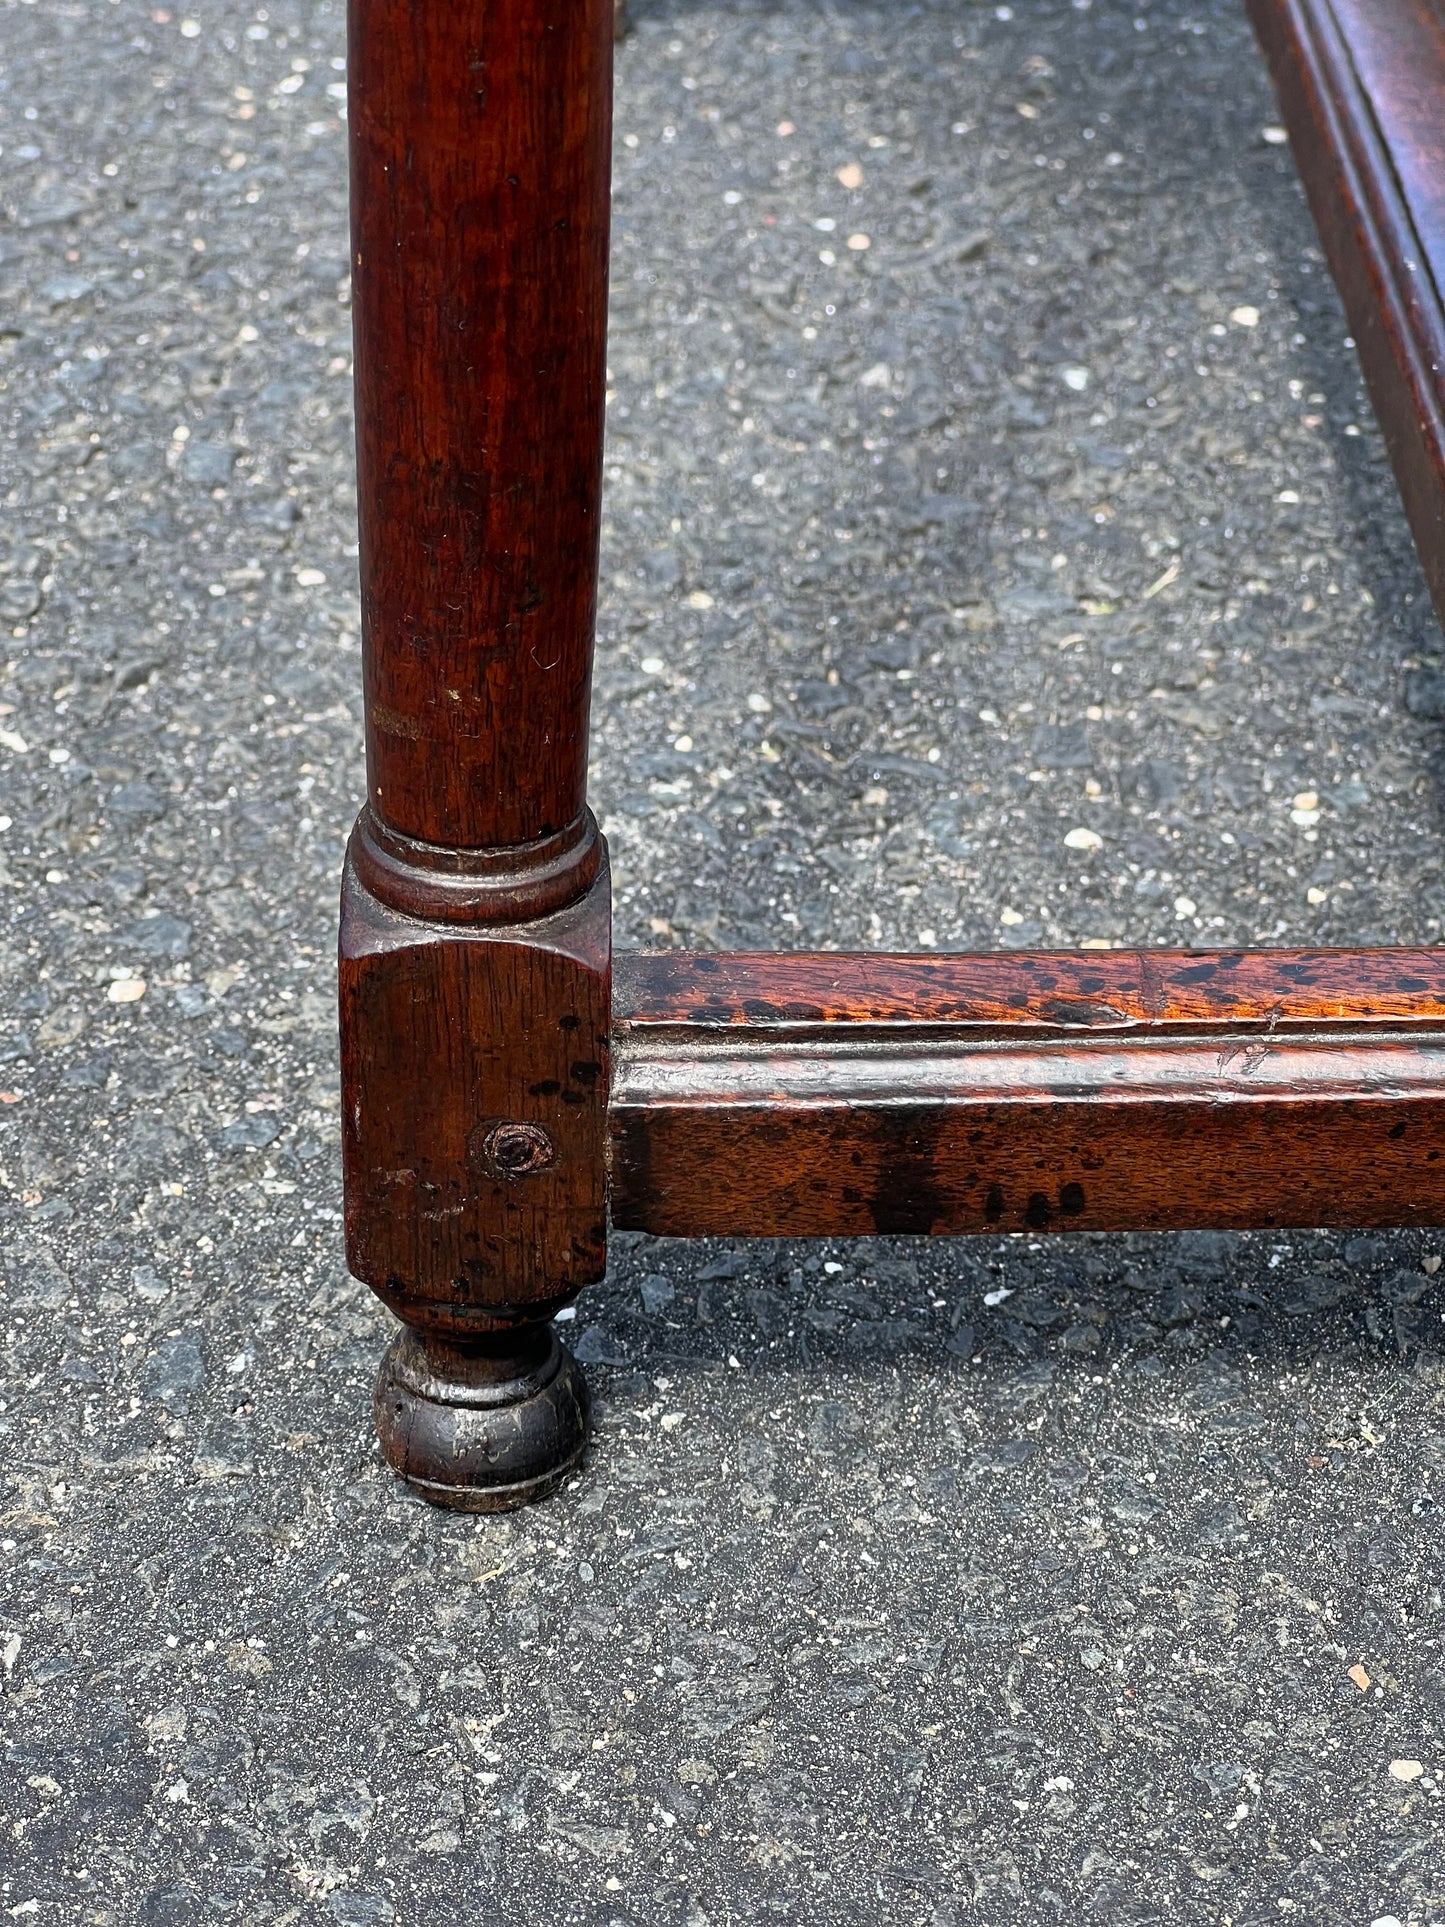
(474, 1096)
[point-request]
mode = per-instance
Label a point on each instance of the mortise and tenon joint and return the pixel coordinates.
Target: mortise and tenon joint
(785, 1096)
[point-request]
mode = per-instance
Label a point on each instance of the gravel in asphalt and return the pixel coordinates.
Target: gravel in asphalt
(999, 551)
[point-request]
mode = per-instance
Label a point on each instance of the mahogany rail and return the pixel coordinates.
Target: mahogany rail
(802, 1096)
(500, 1091)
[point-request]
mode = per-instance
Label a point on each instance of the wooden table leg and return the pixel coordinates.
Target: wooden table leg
(475, 944)
(1361, 87)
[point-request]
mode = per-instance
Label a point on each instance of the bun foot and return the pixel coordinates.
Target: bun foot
(485, 1426)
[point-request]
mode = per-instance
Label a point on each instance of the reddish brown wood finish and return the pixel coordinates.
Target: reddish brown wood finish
(476, 919)
(1054, 992)
(475, 1066)
(474, 1084)
(1361, 85)
(797, 1095)
(839, 1095)
(480, 156)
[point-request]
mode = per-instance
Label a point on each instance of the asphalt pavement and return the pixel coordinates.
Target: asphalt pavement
(999, 551)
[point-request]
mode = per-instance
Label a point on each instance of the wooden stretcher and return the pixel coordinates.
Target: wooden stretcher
(503, 1086)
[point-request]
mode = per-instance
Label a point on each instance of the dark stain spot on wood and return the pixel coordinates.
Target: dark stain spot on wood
(569, 1022)
(906, 1197)
(633, 1153)
(548, 1087)
(1200, 974)
(993, 1204)
(1071, 1200)
(1397, 1130)
(586, 1073)
(1038, 1212)
(1078, 1013)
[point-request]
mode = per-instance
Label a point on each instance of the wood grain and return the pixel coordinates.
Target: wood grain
(475, 1079)
(1361, 85)
(480, 161)
(476, 915)
(842, 1095)
(490, 1090)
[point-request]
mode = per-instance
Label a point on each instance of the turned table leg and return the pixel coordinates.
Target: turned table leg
(476, 927)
